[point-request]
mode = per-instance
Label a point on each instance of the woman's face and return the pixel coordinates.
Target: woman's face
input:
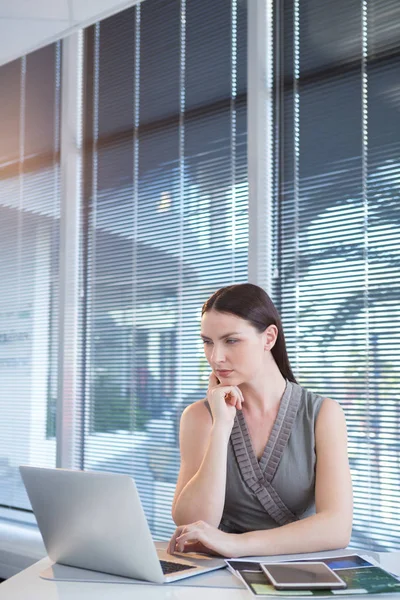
(234, 349)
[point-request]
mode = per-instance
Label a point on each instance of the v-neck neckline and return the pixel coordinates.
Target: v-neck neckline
(258, 475)
(259, 465)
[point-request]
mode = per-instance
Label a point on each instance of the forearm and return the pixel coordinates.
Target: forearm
(203, 497)
(320, 532)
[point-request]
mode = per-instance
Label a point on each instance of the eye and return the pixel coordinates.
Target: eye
(208, 342)
(231, 341)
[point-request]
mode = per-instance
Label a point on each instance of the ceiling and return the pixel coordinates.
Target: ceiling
(26, 25)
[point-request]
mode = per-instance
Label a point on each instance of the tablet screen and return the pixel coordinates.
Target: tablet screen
(301, 573)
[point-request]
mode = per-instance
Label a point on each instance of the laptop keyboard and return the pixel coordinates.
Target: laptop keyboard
(173, 567)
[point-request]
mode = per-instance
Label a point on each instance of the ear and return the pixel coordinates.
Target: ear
(270, 337)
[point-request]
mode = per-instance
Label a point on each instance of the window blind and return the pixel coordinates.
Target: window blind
(29, 224)
(338, 228)
(166, 225)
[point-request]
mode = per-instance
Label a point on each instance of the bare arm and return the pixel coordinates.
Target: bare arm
(330, 527)
(200, 490)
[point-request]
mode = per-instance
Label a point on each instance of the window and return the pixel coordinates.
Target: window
(165, 223)
(29, 228)
(337, 203)
(166, 205)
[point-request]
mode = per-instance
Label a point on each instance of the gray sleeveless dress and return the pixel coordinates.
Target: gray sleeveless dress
(278, 488)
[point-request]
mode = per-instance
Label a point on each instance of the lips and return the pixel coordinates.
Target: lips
(224, 373)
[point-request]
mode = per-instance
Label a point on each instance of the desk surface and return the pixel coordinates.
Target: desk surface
(28, 585)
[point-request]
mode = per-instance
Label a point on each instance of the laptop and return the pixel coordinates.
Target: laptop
(96, 521)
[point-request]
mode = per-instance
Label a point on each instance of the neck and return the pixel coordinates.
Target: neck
(263, 394)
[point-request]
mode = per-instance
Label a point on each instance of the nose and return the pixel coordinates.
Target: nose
(218, 354)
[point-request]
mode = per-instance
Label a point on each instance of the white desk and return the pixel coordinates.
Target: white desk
(27, 585)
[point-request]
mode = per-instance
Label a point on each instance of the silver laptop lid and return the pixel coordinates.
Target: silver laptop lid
(93, 521)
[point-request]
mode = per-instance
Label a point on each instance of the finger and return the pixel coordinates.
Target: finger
(237, 401)
(234, 397)
(177, 533)
(189, 537)
(172, 543)
(240, 402)
(195, 547)
(212, 380)
(170, 546)
(199, 547)
(238, 397)
(192, 539)
(239, 393)
(230, 398)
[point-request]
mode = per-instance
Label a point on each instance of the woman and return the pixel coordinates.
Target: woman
(264, 465)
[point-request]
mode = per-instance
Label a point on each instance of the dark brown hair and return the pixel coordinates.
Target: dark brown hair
(253, 304)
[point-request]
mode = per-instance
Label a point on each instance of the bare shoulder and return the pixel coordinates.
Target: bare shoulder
(196, 424)
(331, 421)
(196, 414)
(330, 409)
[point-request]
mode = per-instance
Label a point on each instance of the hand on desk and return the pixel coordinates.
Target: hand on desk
(201, 537)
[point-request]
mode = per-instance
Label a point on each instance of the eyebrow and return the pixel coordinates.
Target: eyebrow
(204, 337)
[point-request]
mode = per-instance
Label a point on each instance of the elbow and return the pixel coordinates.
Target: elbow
(341, 533)
(345, 537)
(175, 516)
(346, 528)
(178, 512)
(177, 520)
(334, 531)
(340, 541)
(180, 516)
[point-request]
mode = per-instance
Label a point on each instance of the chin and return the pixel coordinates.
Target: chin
(231, 381)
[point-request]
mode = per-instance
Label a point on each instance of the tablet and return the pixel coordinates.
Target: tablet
(302, 576)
